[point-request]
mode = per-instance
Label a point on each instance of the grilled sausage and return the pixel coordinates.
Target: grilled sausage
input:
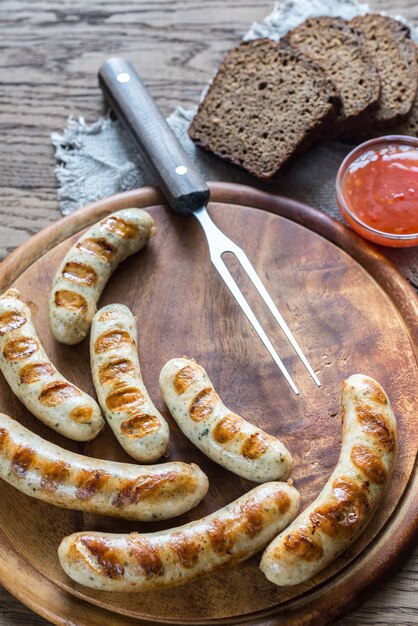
(223, 436)
(344, 507)
(47, 472)
(143, 562)
(36, 382)
(88, 266)
(139, 427)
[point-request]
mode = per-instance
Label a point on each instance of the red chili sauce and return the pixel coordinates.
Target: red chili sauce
(381, 188)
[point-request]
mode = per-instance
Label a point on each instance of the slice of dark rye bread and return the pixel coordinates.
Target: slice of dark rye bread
(266, 102)
(409, 126)
(342, 52)
(394, 55)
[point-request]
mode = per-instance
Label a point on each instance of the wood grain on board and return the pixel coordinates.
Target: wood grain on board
(187, 310)
(50, 54)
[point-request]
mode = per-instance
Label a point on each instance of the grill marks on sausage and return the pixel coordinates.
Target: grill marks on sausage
(227, 428)
(109, 314)
(375, 424)
(255, 445)
(353, 497)
(131, 492)
(106, 559)
(11, 320)
(158, 487)
(375, 392)
(283, 502)
(342, 518)
(203, 404)
(80, 273)
(299, 544)
(4, 438)
(81, 414)
(146, 556)
(53, 473)
(348, 492)
(122, 399)
(35, 372)
(120, 227)
(20, 348)
(134, 490)
(369, 463)
(186, 549)
(112, 339)
(22, 460)
(98, 247)
(58, 392)
(140, 425)
(252, 518)
(116, 370)
(90, 482)
(184, 378)
(71, 301)
(221, 533)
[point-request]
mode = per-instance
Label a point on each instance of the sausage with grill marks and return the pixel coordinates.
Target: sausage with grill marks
(88, 266)
(34, 379)
(144, 562)
(346, 504)
(139, 427)
(222, 435)
(47, 472)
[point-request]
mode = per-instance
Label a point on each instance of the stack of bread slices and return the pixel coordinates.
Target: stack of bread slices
(328, 77)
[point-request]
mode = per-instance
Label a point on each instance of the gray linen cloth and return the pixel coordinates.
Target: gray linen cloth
(97, 160)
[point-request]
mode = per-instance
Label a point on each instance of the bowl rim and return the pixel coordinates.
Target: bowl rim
(355, 152)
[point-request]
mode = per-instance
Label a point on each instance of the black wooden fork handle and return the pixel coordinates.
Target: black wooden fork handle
(182, 185)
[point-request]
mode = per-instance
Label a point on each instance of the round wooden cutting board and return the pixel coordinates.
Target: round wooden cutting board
(351, 312)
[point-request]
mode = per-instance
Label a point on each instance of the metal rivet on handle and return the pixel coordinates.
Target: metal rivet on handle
(123, 77)
(181, 170)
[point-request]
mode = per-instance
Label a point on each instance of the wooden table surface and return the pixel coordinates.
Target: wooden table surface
(50, 52)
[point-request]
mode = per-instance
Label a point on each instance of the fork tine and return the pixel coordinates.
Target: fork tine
(236, 292)
(256, 281)
(219, 244)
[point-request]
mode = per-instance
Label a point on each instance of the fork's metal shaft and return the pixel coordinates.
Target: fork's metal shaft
(219, 244)
(236, 292)
(256, 281)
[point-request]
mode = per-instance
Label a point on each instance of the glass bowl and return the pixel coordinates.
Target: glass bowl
(395, 240)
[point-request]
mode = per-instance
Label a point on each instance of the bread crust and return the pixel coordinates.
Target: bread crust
(398, 68)
(341, 51)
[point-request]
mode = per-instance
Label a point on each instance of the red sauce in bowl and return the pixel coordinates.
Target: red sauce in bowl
(377, 190)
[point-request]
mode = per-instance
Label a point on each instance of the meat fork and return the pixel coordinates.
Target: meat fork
(185, 190)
